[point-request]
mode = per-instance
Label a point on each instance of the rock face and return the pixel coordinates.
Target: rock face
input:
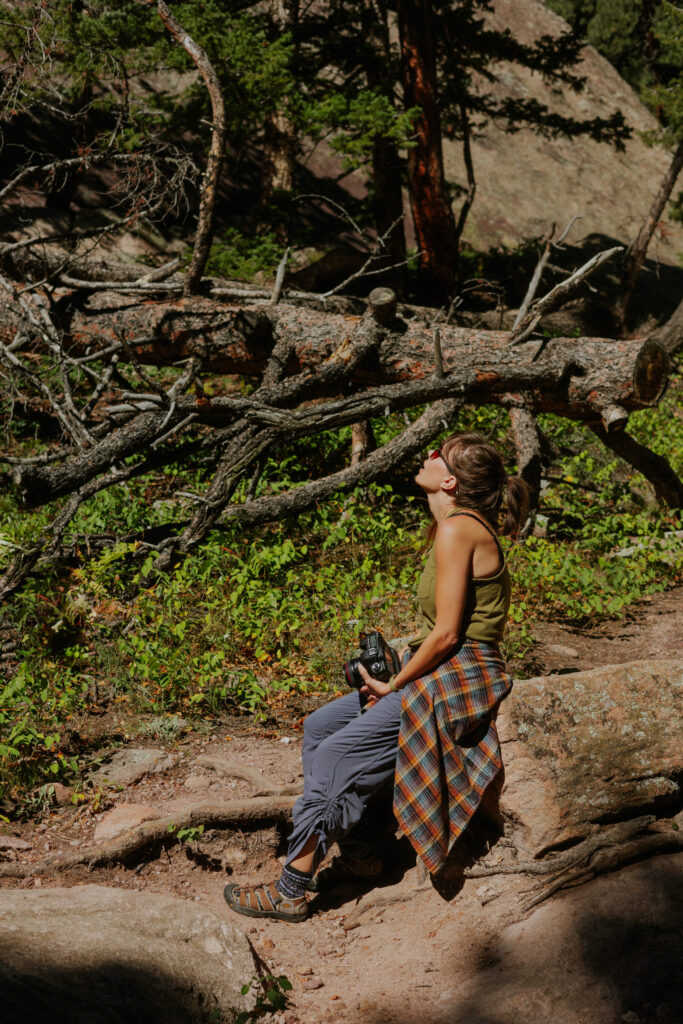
(591, 746)
(610, 952)
(525, 182)
(92, 955)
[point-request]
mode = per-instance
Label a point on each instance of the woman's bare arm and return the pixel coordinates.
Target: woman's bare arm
(455, 542)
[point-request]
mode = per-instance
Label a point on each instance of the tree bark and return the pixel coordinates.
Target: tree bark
(529, 458)
(280, 139)
(655, 468)
(575, 377)
(387, 165)
(636, 252)
(430, 203)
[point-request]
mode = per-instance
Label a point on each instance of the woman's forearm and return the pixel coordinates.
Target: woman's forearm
(433, 650)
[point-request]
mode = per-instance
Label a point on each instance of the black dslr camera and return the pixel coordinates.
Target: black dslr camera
(377, 657)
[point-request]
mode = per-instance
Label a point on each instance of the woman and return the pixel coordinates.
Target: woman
(432, 728)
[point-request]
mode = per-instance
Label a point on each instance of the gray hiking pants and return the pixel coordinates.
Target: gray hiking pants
(347, 758)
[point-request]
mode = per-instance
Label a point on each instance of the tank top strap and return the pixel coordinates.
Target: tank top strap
(463, 512)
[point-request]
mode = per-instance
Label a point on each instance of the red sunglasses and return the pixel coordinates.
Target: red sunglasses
(436, 453)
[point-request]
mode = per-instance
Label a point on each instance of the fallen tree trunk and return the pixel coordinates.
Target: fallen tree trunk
(583, 374)
(595, 380)
(319, 371)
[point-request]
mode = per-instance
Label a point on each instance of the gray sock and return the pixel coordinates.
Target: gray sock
(292, 883)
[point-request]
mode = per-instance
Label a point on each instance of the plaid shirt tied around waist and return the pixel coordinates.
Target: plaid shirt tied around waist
(448, 749)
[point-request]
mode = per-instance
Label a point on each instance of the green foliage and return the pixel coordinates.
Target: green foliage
(644, 41)
(241, 257)
(190, 834)
(271, 997)
(248, 622)
(357, 121)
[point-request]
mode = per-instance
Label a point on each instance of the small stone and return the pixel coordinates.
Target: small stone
(195, 783)
(312, 983)
(267, 943)
(563, 651)
(121, 818)
(13, 843)
(61, 794)
(37, 883)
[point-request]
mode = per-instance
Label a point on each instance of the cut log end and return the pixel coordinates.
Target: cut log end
(651, 372)
(382, 302)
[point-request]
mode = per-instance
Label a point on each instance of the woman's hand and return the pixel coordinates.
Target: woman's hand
(374, 688)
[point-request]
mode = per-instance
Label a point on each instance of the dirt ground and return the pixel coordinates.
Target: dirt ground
(401, 953)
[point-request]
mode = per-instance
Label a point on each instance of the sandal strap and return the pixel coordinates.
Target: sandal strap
(258, 897)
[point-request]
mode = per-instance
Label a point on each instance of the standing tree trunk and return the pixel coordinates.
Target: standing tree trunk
(387, 166)
(432, 215)
(280, 139)
(636, 252)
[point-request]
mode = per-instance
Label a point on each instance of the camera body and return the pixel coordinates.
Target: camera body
(377, 657)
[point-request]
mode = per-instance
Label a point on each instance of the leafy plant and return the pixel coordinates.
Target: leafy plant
(271, 997)
(189, 834)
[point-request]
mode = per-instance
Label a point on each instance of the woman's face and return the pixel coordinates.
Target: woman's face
(434, 472)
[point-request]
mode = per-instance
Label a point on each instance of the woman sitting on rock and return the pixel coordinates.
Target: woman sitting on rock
(432, 728)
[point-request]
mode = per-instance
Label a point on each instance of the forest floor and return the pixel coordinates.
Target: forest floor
(405, 952)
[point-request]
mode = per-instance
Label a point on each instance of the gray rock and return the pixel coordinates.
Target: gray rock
(610, 951)
(588, 746)
(197, 783)
(13, 843)
(93, 955)
(312, 983)
(121, 818)
(563, 651)
(129, 765)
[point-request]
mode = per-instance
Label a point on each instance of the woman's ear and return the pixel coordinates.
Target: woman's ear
(450, 486)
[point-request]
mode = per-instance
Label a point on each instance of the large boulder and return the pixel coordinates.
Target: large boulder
(591, 747)
(525, 182)
(93, 955)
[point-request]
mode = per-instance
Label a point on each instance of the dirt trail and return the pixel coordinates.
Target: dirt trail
(414, 950)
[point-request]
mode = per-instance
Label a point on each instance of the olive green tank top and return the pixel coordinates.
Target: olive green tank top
(486, 604)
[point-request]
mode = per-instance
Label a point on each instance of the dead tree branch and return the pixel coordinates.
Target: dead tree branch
(207, 204)
(557, 296)
(636, 252)
(655, 468)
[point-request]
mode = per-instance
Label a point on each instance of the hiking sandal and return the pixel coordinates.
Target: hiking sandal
(346, 871)
(265, 901)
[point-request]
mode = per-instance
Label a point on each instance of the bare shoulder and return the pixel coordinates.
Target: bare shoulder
(458, 531)
(460, 527)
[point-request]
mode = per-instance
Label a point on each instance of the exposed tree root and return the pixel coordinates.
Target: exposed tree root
(264, 785)
(233, 813)
(567, 859)
(609, 860)
(610, 848)
(376, 901)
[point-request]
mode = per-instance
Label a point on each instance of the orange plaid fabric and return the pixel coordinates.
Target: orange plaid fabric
(448, 749)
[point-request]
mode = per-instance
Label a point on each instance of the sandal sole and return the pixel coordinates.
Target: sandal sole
(274, 915)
